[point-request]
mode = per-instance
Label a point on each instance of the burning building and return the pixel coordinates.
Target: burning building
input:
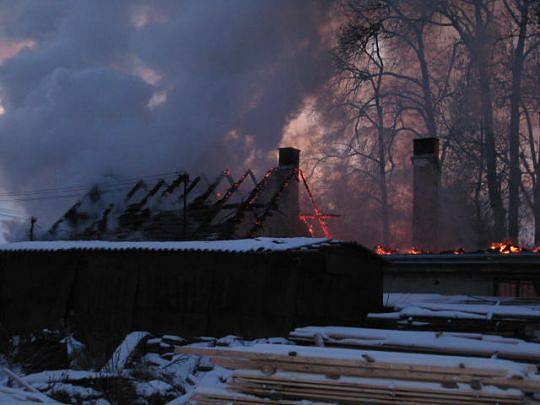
(181, 258)
(503, 269)
(189, 208)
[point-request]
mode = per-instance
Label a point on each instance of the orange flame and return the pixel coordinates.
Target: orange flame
(505, 247)
(305, 220)
(415, 251)
(316, 212)
(381, 250)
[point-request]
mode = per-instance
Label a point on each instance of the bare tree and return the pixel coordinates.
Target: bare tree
(465, 71)
(473, 20)
(518, 13)
(361, 90)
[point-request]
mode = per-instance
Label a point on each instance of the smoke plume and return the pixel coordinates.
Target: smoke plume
(94, 89)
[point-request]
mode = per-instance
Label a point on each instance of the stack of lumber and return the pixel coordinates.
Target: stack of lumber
(280, 373)
(512, 320)
(449, 343)
(395, 299)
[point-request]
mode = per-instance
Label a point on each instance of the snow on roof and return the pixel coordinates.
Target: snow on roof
(233, 245)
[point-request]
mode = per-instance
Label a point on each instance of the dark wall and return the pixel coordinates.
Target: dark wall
(187, 293)
(460, 277)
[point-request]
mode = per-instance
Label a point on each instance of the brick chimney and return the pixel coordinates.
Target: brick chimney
(426, 182)
(285, 222)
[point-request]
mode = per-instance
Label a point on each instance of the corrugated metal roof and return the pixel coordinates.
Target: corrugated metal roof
(235, 245)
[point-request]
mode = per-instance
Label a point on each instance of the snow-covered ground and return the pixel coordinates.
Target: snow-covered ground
(142, 370)
(146, 369)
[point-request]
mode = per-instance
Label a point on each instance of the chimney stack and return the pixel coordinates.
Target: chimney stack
(289, 158)
(284, 221)
(289, 161)
(426, 182)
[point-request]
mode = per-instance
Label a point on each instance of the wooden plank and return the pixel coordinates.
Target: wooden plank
(234, 364)
(323, 396)
(355, 343)
(339, 386)
(233, 359)
(213, 396)
(369, 343)
(326, 393)
(303, 380)
(344, 363)
(277, 390)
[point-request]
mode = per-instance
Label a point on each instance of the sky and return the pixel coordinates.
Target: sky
(94, 90)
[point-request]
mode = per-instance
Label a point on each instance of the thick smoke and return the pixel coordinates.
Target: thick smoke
(130, 88)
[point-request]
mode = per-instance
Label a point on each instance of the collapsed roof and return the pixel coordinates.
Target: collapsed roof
(185, 208)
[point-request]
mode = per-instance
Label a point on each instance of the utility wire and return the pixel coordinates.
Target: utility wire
(82, 187)
(68, 192)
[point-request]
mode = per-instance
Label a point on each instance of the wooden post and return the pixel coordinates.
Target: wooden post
(186, 180)
(33, 221)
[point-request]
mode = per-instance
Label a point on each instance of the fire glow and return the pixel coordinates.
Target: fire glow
(503, 248)
(380, 250)
(321, 218)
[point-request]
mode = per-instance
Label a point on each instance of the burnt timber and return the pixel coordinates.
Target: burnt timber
(187, 208)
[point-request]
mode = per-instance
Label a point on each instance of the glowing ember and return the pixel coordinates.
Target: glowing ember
(304, 219)
(415, 251)
(504, 248)
(316, 212)
(381, 250)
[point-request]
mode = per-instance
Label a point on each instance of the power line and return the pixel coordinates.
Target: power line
(17, 217)
(74, 188)
(82, 187)
(60, 193)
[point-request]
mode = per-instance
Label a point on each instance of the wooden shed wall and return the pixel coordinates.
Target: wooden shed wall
(187, 293)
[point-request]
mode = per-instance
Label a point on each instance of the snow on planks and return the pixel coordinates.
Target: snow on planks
(511, 317)
(453, 343)
(287, 372)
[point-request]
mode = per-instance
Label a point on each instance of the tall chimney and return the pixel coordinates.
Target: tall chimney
(426, 182)
(289, 204)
